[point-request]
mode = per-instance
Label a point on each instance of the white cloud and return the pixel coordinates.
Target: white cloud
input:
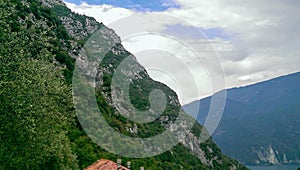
(102, 13)
(265, 41)
(173, 63)
(264, 38)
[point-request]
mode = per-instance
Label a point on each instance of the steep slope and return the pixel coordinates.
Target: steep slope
(261, 122)
(40, 42)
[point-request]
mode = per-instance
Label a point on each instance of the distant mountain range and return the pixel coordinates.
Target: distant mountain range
(260, 123)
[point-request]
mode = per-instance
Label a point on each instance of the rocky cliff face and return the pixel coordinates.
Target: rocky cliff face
(266, 155)
(51, 3)
(82, 30)
(79, 28)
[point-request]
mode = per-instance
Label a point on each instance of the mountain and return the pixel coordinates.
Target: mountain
(261, 122)
(42, 42)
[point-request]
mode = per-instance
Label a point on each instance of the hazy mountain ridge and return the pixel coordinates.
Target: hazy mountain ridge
(261, 122)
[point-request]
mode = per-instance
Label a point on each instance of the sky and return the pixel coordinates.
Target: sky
(253, 40)
(139, 5)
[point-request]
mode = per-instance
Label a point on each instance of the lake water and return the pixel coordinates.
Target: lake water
(275, 167)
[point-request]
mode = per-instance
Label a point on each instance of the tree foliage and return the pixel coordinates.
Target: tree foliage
(35, 99)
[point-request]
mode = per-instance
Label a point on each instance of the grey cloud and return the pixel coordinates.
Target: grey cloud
(264, 37)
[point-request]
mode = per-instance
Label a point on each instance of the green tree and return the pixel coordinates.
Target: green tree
(35, 110)
(34, 117)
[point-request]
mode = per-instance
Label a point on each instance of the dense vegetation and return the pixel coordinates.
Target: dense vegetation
(33, 95)
(38, 127)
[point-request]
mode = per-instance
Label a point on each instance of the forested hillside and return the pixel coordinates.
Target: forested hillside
(40, 42)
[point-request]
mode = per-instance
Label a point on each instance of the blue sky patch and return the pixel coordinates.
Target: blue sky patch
(139, 5)
(196, 33)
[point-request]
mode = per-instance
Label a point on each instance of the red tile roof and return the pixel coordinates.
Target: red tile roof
(104, 164)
